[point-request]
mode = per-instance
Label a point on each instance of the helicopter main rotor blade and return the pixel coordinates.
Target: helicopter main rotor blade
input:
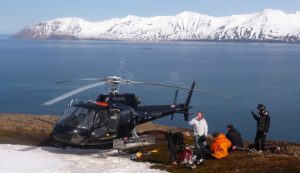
(82, 79)
(73, 92)
(179, 87)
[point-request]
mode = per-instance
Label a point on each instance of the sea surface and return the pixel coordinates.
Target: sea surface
(251, 73)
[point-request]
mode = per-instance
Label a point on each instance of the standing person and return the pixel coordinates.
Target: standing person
(263, 123)
(200, 129)
(235, 137)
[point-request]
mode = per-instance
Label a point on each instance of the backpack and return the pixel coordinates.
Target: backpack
(185, 155)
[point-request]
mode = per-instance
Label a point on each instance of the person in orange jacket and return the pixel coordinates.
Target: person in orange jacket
(220, 145)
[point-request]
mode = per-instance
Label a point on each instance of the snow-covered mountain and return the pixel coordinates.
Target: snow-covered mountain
(268, 25)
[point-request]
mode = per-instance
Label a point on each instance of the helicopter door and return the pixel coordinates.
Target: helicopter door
(114, 117)
(101, 123)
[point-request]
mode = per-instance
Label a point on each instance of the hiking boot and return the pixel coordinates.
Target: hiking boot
(193, 166)
(200, 161)
(251, 150)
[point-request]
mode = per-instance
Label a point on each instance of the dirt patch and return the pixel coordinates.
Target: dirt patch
(25, 129)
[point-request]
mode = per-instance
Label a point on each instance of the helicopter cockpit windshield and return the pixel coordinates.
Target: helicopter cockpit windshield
(79, 117)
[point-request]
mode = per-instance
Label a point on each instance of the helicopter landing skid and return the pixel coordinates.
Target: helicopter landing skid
(103, 153)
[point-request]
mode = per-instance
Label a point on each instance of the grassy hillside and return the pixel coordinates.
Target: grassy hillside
(35, 130)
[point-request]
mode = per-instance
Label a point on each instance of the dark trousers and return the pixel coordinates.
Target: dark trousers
(260, 140)
(200, 141)
(203, 152)
(172, 149)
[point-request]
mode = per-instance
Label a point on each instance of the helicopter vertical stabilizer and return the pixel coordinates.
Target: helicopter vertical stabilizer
(187, 102)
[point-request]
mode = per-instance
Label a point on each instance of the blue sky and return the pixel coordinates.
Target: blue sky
(16, 14)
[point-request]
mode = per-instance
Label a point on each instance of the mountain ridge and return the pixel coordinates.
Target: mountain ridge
(268, 25)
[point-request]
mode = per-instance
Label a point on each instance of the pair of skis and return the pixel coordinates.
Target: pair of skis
(140, 154)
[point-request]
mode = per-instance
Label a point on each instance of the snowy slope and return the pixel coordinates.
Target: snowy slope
(272, 25)
(25, 159)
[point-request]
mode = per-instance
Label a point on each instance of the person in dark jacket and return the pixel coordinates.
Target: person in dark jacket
(263, 124)
(235, 137)
(175, 144)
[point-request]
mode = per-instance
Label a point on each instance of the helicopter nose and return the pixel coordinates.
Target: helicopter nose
(67, 134)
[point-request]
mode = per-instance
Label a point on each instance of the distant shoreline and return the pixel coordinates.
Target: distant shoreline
(71, 38)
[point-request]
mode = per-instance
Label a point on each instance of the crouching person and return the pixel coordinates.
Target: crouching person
(220, 145)
(179, 151)
(235, 138)
(175, 145)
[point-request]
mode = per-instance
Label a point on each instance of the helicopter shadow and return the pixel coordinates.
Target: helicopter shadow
(53, 146)
(69, 150)
(30, 148)
(94, 153)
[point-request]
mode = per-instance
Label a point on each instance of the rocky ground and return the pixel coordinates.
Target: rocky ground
(35, 130)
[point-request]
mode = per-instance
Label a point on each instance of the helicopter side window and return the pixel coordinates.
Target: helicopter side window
(101, 119)
(79, 115)
(86, 118)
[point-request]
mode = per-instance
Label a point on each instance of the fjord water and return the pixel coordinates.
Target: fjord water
(250, 73)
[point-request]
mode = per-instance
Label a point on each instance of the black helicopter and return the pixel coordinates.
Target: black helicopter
(112, 115)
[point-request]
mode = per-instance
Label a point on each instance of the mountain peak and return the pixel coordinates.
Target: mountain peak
(188, 14)
(131, 17)
(69, 19)
(272, 11)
